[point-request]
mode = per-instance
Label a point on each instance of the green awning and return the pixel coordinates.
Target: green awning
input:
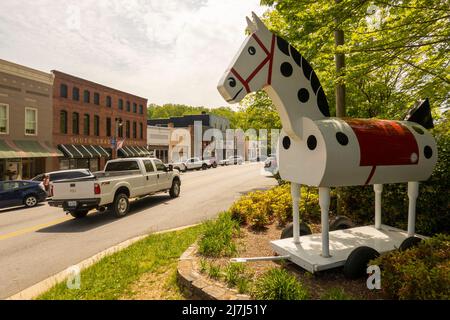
(83, 151)
(134, 151)
(27, 149)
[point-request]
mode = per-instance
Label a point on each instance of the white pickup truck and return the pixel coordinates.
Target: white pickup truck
(112, 188)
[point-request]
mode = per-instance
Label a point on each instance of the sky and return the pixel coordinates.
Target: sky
(168, 51)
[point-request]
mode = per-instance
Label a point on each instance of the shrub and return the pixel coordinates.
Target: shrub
(422, 272)
(433, 203)
(336, 294)
(237, 275)
(218, 237)
(214, 271)
(278, 284)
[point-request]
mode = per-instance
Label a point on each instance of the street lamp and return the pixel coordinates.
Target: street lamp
(119, 123)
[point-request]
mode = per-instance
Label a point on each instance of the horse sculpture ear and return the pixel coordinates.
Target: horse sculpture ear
(251, 27)
(259, 24)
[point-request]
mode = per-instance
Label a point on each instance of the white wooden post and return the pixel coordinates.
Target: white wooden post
(295, 193)
(324, 202)
(413, 192)
(378, 188)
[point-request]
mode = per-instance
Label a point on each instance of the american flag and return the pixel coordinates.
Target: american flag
(120, 144)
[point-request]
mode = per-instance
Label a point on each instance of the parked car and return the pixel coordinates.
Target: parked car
(232, 160)
(192, 164)
(212, 162)
(64, 174)
(271, 165)
(20, 192)
(121, 180)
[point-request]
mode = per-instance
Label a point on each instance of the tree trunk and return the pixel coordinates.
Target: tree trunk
(340, 69)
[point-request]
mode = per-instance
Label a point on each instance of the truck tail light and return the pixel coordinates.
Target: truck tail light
(97, 189)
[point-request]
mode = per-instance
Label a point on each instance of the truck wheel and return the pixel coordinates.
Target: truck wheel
(409, 242)
(204, 166)
(30, 201)
(79, 214)
(121, 205)
(214, 165)
(288, 232)
(175, 189)
(341, 223)
(356, 264)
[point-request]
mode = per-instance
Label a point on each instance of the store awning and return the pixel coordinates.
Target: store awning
(27, 149)
(134, 151)
(83, 151)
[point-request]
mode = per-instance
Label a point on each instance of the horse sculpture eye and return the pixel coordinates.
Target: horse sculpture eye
(252, 50)
(232, 82)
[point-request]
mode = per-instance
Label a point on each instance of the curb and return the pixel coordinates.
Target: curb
(44, 285)
(196, 286)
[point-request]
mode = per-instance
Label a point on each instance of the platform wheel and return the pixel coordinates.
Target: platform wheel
(341, 223)
(409, 243)
(288, 231)
(356, 265)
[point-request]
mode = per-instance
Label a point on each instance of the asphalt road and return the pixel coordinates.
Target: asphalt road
(42, 241)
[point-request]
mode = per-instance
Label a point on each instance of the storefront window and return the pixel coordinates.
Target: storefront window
(93, 164)
(64, 164)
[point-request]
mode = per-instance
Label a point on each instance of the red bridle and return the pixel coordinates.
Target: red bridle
(268, 59)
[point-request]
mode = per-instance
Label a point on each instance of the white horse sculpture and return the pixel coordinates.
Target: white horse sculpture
(321, 151)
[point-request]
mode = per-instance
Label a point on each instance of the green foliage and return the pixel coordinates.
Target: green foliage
(218, 237)
(278, 284)
(237, 275)
(260, 208)
(422, 272)
(433, 203)
(214, 271)
(336, 294)
(394, 55)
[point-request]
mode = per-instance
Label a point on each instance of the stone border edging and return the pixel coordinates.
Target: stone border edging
(198, 286)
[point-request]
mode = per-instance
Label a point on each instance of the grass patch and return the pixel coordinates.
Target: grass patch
(217, 239)
(336, 294)
(278, 284)
(237, 275)
(113, 276)
(214, 271)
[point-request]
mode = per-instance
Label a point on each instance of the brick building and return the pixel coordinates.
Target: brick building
(25, 122)
(87, 117)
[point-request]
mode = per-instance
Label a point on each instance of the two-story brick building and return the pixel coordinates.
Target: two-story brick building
(25, 122)
(87, 116)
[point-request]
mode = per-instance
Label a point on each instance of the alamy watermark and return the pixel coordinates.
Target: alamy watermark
(374, 279)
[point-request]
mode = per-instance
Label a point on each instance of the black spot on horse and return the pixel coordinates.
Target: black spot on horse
(315, 83)
(311, 142)
(323, 103)
(428, 152)
(307, 69)
(286, 69)
(286, 142)
(283, 45)
(303, 95)
(296, 56)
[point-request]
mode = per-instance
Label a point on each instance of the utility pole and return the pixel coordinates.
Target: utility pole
(340, 68)
(118, 123)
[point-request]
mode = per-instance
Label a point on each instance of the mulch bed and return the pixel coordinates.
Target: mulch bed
(256, 243)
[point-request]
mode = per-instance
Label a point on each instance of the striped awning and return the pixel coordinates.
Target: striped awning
(134, 151)
(27, 149)
(83, 151)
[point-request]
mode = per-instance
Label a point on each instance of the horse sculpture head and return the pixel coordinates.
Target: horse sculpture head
(268, 62)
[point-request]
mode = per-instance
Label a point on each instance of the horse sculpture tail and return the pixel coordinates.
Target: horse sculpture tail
(421, 114)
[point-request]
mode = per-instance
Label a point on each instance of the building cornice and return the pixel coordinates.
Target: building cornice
(25, 72)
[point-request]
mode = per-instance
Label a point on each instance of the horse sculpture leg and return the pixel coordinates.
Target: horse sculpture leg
(413, 192)
(324, 202)
(295, 193)
(378, 188)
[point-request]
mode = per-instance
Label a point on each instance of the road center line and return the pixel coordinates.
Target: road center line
(33, 228)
